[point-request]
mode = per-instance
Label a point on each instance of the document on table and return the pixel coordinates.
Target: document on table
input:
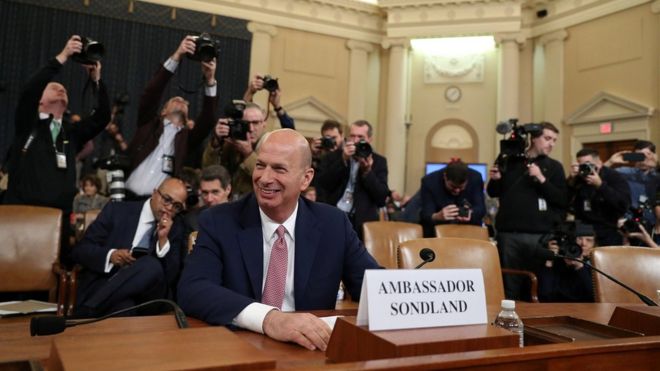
(12, 308)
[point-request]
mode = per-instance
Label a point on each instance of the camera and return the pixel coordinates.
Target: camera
(586, 169)
(328, 143)
(116, 185)
(363, 149)
(270, 83)
(565, 239)
(514, 146)
(192, 198)
(206, 48)
(92, 51)
(464, 209)
(636, 217)
(238, 128)
(113, 162)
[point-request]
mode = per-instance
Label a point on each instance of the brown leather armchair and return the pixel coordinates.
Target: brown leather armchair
(462, 253)
(383, 237)
(462, 231)
(637, 267)
(29, 257)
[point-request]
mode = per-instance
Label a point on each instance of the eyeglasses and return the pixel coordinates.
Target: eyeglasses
(168, 201)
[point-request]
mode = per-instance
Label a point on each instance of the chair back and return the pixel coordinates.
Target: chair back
(458, 253)
(192, 237)
(383, 237)
(30, 245)
(462, 231)
(637, 267)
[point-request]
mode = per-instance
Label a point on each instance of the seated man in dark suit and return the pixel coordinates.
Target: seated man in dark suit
(132, 253)
(274, 252)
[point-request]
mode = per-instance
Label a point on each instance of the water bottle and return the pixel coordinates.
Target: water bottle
(508, 319)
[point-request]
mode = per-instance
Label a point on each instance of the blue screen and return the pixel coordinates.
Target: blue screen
(481, 168)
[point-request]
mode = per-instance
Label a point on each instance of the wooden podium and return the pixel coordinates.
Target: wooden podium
(191, 349)
(350, 343)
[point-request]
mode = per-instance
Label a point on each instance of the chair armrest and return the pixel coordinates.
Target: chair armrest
(62, 287)
(534, 287)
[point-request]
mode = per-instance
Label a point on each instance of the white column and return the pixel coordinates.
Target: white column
(553, 45)
(357, 79)
(262, 35)
(395, 128)
(508, 98)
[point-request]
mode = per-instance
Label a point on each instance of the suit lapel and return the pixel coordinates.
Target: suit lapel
(307, 243)
(131, 221)
(250, 240)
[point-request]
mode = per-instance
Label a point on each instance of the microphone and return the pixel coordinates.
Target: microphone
(549, 255)
(49, 325)
(503, 127)
(427, 256)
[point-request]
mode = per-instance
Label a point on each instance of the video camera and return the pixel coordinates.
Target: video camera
(631, 224)
(92, 51)
(238, 128)
(564, 236)
(206, 48)
(514, 146)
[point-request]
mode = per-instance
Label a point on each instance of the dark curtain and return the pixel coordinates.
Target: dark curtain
(135, 43)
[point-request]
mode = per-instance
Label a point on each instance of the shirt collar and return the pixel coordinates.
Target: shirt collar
(268, 226)
(44, 115)
(146, 215)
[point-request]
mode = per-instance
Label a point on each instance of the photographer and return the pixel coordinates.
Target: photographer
(454, 194)
(599, 196)
(234, 142)
(355, 178)
(331, 140)
(532, 196)
(567, 280)
(162, 140)
(271, 84)
(638, 168)
(42, 162)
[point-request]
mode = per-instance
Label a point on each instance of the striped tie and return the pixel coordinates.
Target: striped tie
(276, 277)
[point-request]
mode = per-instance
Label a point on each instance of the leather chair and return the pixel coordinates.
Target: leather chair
(29, 256)
(383, 237)
(637, 267)
(462, 231)
(462, 253)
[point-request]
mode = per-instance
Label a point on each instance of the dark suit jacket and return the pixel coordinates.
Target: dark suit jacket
(150, 124)
(435, 197)
(115, 228)
(224, 273)
(35, 178)
(370, 192)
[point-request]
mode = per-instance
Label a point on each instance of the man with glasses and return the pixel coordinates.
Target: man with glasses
(236, 155)
(163, 140)
(454, 194)
(132, 253)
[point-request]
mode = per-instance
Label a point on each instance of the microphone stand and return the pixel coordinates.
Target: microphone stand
(641, 296)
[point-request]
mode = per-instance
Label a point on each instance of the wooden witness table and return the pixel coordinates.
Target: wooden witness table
(638, 353)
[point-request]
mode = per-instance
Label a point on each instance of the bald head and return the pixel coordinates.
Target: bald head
(292, 138)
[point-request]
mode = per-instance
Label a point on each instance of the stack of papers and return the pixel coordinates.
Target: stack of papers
(13, 308)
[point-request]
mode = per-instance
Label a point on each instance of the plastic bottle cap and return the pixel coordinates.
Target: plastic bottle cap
(508, 304)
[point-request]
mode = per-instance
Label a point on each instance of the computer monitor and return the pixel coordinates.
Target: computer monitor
(480, 167)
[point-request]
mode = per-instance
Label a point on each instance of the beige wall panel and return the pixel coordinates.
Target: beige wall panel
(310, 64)
(617, 54)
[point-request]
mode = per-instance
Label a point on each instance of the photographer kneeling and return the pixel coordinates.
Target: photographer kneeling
(564, 280)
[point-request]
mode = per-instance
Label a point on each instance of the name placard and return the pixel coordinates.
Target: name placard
(395, 299)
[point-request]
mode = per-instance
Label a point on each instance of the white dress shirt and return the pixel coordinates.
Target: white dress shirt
(252, 317)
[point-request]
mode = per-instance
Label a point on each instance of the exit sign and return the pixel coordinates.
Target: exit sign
(606, 128)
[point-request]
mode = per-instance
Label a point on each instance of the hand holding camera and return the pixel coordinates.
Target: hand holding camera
(186, 47)
(72, 46)
(589, 173)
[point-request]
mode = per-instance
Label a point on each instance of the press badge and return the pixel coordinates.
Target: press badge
(60, 159)
(543, 206)
(587, 205)
(168, 164)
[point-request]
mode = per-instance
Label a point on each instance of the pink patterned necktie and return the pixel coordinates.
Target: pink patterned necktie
(276, 276)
